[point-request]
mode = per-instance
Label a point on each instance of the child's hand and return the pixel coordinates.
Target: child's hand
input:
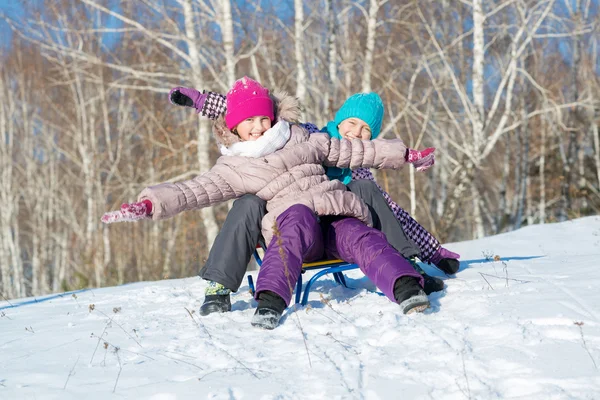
(129, 212)
(421, 160)
(187, 97)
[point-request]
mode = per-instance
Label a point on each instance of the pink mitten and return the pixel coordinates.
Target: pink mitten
(422, 160)
(129, 212)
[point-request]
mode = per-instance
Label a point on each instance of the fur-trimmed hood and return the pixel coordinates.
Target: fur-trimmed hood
(286, 108)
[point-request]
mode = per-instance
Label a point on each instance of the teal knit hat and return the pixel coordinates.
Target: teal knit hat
(366, 106)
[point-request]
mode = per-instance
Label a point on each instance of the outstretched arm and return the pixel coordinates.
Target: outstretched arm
(208, 104)
(356, 153)
(378, 153)
(167, 199)
(205, 190)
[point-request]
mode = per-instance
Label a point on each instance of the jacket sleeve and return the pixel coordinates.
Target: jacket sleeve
(214, 105)
(356, 153)
(169, 199)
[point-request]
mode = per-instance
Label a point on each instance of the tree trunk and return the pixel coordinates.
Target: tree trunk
(479, 104)
(478, 73)
(370, 47)
(299, 54)
(596, 118)
(529, 203)
(542, 172)
(172, 235)
(501, 215)
(11, 266)
(565, 202)
(478, 229)
(442, 170)
(596, 137)
(61, 259)
(255, 71)
(463, 181)
(86, 154)
(572, 147)
(211, 228)
(346, 53)
(331, 59)
(524, 170)
(517, 153)
(228, 40)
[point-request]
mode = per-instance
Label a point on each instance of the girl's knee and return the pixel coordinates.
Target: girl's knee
(297, 213)
(362, 185)
(250, 202)
(355, 230)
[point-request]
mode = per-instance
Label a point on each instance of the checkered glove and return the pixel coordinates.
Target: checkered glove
(421, 160)
(209, 104)
(129, 212)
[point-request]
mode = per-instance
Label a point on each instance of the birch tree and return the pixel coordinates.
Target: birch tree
(299, 53)
(11, 266)
(226, 22)
(370, 44)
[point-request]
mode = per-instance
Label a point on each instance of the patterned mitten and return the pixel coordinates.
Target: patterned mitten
(422, 160)
(129, 212)
(187, 97)
(209, 104)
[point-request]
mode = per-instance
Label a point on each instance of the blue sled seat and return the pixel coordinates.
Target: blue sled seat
(335, 267)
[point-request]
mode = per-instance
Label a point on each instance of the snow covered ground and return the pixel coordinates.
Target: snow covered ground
(526, 327)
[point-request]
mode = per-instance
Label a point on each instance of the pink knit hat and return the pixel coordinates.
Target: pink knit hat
(247, 98)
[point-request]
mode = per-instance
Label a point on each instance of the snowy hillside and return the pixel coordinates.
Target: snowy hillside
(527, 327)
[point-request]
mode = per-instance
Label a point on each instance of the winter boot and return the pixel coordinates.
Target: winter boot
(446, 260)
(410, 295)
(269, 310)
(215, 303)
(216, 299)
(432, 284)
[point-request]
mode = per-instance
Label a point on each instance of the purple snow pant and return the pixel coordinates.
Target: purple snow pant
(301, 238)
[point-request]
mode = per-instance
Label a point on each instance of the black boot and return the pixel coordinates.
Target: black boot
(432, 284)
(410, 295)
(215, 303)
(269, 310)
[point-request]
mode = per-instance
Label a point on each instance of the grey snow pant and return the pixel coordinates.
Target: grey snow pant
(230, 253)
(384, 219)
(241, 233)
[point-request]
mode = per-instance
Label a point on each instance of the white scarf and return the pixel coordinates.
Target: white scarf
(271, 141)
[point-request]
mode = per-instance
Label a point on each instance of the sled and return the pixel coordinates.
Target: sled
(335, 267)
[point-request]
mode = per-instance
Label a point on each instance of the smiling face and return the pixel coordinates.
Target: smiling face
(253, 128)
(354, 128)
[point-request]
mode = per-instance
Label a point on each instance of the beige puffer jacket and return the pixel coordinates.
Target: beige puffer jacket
(291, 175)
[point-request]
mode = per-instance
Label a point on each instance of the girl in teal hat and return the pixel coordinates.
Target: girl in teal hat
(361, 117)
